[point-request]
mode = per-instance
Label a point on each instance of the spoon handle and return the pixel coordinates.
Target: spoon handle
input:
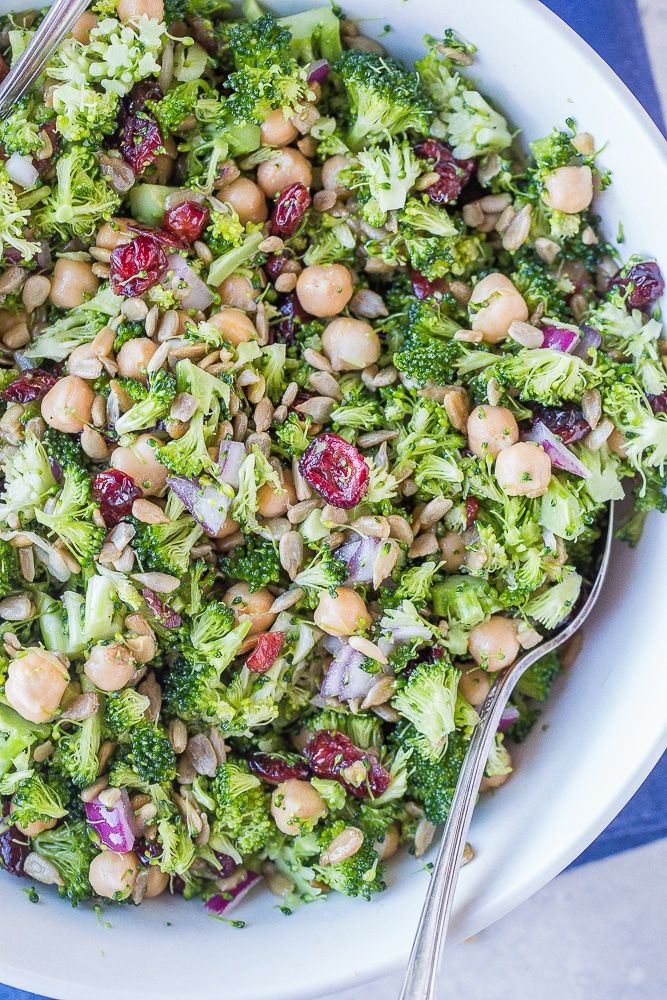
(31, 63)
(419, 982)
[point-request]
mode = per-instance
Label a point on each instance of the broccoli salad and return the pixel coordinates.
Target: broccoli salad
(316, 382)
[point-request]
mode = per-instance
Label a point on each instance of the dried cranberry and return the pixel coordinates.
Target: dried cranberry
(567, 421)
(330, 753)
(135, 101)
(141, 141)
(227, 864)
(269, 767)
(472, 509)
(187, 220)
(659, 403)
(115, 492)
(645, 282)
(147, 852)
(276, 264)
(292, 310)
(167, 617)
(424, 289)
(44, 166)
(14, 849)
(335, 469)
(292, 204)
(266, 652)
(169, 241)
(453, 174)
(33, 383)
(137, 265)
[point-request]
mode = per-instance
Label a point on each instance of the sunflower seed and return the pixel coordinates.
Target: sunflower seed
(202, 754)
(300, 511)
(325, 384)
(148, 513)
(286, 600)
(161, 583)
(83, 707)
(17, 608)
(37, 867)
(591, 407)
(367, 648)
(319, 408)
(290, 549)
(379, 694)
(425, 545)
(35, 292)
(424, 835)
(317, 360)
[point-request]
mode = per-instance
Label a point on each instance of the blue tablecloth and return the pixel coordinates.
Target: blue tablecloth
(613, 28)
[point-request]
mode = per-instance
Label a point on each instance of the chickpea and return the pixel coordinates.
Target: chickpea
(238, 292)
(84, 25)
(112, 234)
(569, 189)
(523, 470)
(157, 882)
(452, 551)
(234, 325)
(277, 130)
(295, 804)
(255, 606)
(350, 344)
(141, 465)
(324, 289)
(344, 614)
(36, 827)
(475, 685)
(503, 304)
(67, 405)
(487, 784)
(286, 167)
(331, 170)
(272, 502)
(35, 685)
(247, 200)
(495, 643)
(133, 358)
(72, 282)
(490, 430)
(113, 875)
(129, 9)
(109, 667)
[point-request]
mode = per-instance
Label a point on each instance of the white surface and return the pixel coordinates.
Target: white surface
(594, 933)
(606, 727)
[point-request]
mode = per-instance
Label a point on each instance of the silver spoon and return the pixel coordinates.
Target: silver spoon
(59, 21)
(424, 962)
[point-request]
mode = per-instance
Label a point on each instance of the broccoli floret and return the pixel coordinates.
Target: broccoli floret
(16, 736)
(429, 700)
(188, 455)
(256, 561)
(76, 621)
(539, 287)
(29, 481)
(254, 473)
(384, 176)
(225, 231)
(357, 414)
(241, 807)
(64, 449)
(432, 782)
(358, 875)
(195, 691)
(155, 407)
(464, 600)
(292, 436)
(20, 131)
(538, 680)
(325, 572)
(76, 751)
(123, 710)
(416, 582)
(638, 340)
(166, 548)
(79, 199)
(125, 331)
(423, 360)
(546, 376)
(79, 326)
(13, 220)
(70, 848)
(69, 518)
(385, 98)
(208, 629)
(555, 602)
(315, 34)
(176, 104)
(330, 244)
(294, 857)
(645, 432)
(10, 579)
(363, 729)
(152, 755)
(36, 801)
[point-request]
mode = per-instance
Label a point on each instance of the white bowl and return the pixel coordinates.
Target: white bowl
(604, 729)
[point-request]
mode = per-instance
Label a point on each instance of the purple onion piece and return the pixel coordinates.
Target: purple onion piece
(222, 903)
(558, 338)
(230, 459)
(318, 71)
(359, 554)
(114, 825)
(179, 274)
(167, 617)
(510, 715)
(345, 677)
(207, 504)
(560, 455)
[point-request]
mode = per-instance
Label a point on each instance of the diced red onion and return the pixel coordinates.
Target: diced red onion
(207, 504)
(21, 171)
(167, 617)
(359, 554)
(115, 824)
(508, 718)
(223, 903)
(345, 677)
(590, 339)
(318, 71)
(199, 296)
(559, 338)
(230, 460)
(560, 455)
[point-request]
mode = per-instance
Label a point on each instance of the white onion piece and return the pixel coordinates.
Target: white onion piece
(230, 460)
(114, 824)
(207, 504)
(21, 171)
(359, 554)
(561, 456)
(179, 273)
